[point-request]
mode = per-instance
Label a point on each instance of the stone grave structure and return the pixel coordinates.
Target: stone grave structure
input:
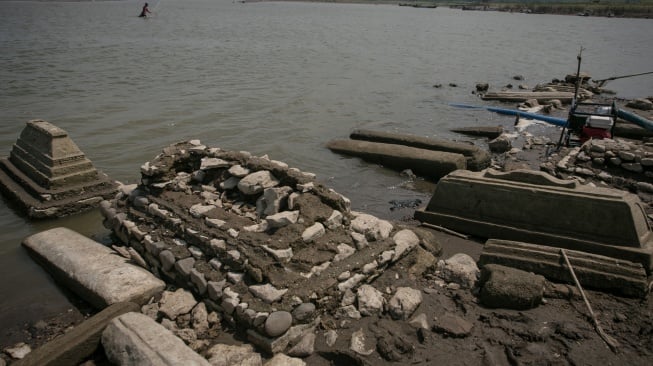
(47, 175)
(262, 243)
(535, 207)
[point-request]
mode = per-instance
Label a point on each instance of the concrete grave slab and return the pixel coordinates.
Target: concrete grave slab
(136, 339)
(95, 272)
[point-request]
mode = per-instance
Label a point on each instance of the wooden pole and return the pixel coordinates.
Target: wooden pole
(611, 342)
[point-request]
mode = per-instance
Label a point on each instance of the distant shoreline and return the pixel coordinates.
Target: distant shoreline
(617, 10)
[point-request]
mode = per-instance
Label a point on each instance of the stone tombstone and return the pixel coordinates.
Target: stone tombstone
(49, 176)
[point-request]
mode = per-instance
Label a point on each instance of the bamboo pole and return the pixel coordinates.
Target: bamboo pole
(611, 342)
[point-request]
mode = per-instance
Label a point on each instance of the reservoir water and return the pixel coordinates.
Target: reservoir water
(276, 78)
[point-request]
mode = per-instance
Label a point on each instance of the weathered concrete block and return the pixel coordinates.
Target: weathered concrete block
(426, 163)
(593, 271)
(49, 176)
(534, 207)
(510, 288)
(79, 343)
(93, 271)
(476, 157)
(135, 339)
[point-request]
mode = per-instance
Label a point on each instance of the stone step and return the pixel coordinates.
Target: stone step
(593, 271)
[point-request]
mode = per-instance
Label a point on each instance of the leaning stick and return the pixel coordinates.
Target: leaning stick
(445, 230)
(611, 342)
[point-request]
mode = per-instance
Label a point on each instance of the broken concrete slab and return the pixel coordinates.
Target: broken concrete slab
(534, 207)
(136, 339)
(95, 272)
(426, 163)
(49, 176)
(593, 271)
(477, 158)
(76, 345)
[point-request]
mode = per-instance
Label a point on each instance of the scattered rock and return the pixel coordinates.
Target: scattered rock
(453, 326)
(173, 304)
(278, 323)
(305, 347)
(267, 292)
(18, 351)
(228, 355)
(461, 269)
(282, 360)
(370, 300)
(358, 343)
(404, 302)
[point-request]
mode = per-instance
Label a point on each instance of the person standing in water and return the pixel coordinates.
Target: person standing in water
(145, 11)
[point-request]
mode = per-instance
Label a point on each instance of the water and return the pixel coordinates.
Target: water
(272, 78)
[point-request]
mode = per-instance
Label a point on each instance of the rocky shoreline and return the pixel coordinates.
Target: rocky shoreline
(265, 265)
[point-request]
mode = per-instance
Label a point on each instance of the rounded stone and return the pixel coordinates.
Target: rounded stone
(303, 312)
(278, 323)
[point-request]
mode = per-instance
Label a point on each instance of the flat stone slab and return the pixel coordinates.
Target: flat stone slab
(477, 158)
(95, 272)
(76, 345)
(136, 339)
(426, 163)
(535, 207)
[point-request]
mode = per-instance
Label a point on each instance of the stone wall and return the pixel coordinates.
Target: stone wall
(262, 243)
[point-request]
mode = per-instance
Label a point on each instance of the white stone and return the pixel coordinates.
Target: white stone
(282, 219)
(335, 220)
(239, 171)
(344, 251)
(372, 227)
(257, 228)
(173, 304)
(267, 292)
(359, 240)
(282, 360)
(461, 269)
(313, 232)
(357, 343)
(256, 182)
(230, 355)
(404, 302)
(282, 255)
(351, 282)
(213, 163)
(370, 300)
(405, 240)
(200, 210)
(18, 351)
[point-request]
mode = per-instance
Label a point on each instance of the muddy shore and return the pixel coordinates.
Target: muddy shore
(557, 331)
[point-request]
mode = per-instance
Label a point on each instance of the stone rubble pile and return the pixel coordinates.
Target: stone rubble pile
(616, 162)
(265, 247)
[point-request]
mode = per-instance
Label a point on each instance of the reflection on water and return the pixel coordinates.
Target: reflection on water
(271, 78)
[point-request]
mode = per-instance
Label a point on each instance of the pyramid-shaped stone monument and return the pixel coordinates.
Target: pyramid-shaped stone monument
(49, 176)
